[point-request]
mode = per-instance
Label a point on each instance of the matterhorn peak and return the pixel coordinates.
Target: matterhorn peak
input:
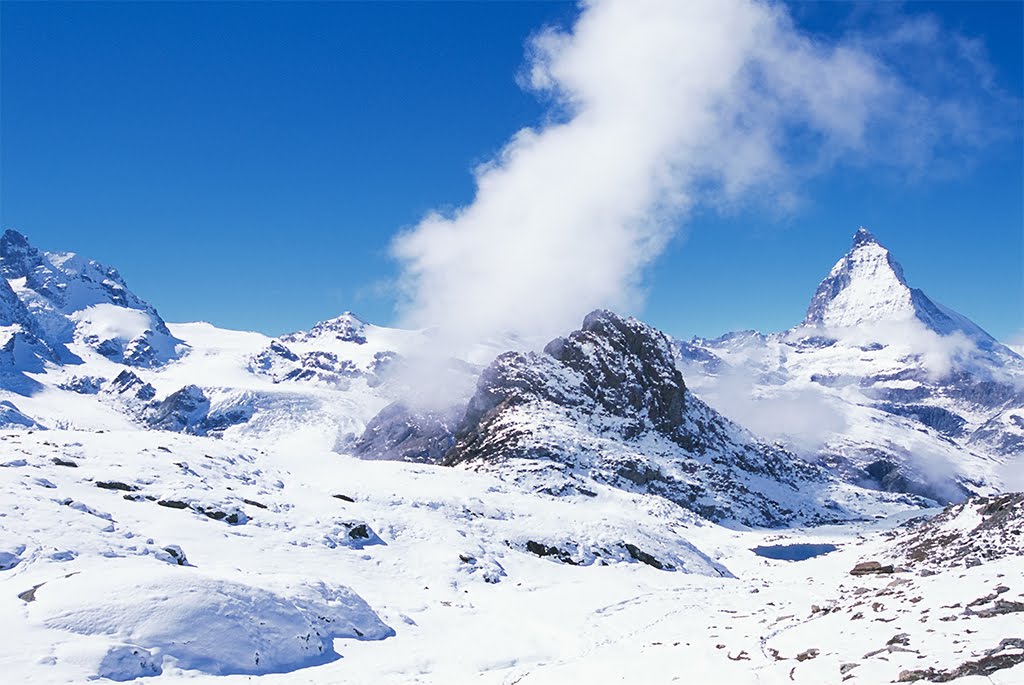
(867, 286)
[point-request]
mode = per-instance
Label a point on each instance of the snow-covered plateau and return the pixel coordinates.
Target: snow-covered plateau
(827, 504)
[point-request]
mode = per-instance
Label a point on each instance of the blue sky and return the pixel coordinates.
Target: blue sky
(248, 164)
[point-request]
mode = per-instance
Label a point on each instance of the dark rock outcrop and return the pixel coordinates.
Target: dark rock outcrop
(869, 568)
(182, 411)
(128, 384)
(1007, 654)
(616, 366)
(187, 410)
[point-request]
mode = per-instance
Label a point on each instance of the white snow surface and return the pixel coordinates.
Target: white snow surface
(440, 590)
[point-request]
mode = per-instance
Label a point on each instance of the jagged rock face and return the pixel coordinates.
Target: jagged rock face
(332, 353)
(66, 299)
(186, 410)
(319, 366)
(48, 274)
(13, 311)
(128, 384)
(181, 411)
(620, 366)
(399, 433)
(607, 405)
(22, 347)
(627, 367)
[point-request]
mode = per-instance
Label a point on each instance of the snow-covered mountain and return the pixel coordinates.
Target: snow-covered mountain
(68, 299)
(867, 286)
(879, 382)
(186, 502)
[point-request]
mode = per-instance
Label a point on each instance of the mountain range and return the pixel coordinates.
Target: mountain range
(316, 495)
(879, 385)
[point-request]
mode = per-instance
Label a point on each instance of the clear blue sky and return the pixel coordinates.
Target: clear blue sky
(248, 163)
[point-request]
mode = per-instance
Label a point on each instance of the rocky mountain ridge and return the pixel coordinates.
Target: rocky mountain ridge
(607, 399)
(606, 405)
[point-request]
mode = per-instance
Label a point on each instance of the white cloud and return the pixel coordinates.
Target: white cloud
(658, 105)
(803, 418)
(909, 339)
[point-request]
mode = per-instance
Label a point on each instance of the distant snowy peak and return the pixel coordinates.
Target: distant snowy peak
(68, 281)
(66, 299)
(867, 286)
(346, 328)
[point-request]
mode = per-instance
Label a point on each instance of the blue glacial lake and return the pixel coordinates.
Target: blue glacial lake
(794, 552)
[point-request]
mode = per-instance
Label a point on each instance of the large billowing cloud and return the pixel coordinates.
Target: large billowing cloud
(657, 106)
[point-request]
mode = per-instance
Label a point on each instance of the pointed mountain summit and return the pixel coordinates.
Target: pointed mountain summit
(867, 285)
(18, 257)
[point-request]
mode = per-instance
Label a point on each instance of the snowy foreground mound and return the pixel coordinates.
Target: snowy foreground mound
(142, 553)
(180, 616)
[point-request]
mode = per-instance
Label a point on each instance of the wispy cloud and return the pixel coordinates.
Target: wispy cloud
(656, 106)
